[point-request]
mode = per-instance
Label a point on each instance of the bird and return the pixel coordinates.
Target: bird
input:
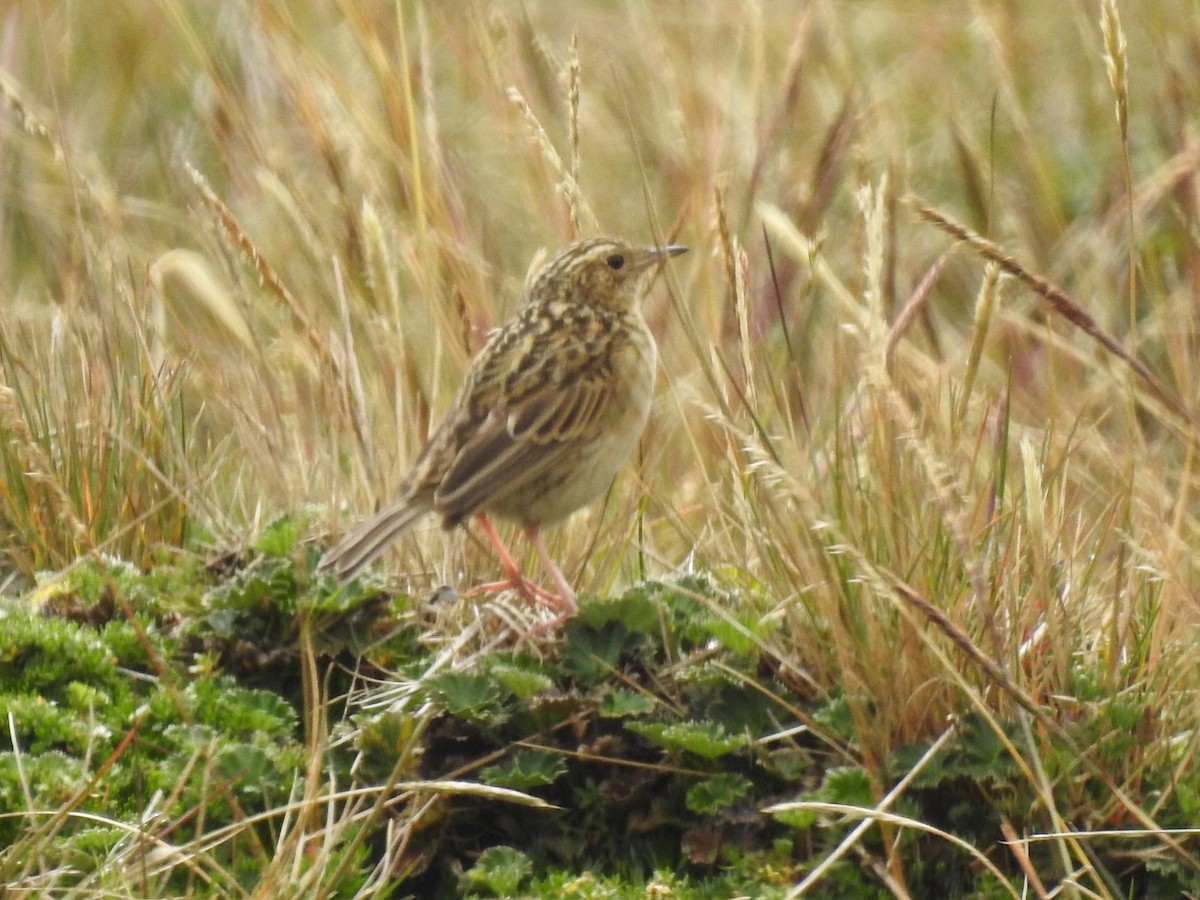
(547, 413)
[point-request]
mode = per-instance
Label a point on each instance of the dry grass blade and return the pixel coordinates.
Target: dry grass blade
(916, 303)
(734, 260)
(36, 468)
(870, 817)
(31, 122)
(1018, 851)
(1058, 299)
(984, 304)
(786, 106)
(1116, 60)
(879, 816)
(1117, 63)
(573, 67)
(577, 205)
(999, 677)
(233, 230)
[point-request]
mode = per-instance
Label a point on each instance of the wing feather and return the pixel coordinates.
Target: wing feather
(520, 440)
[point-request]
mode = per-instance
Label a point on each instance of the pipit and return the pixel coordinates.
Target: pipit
(547, 414)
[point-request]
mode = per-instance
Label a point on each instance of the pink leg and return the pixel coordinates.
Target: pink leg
(566, 597)
(516, 580)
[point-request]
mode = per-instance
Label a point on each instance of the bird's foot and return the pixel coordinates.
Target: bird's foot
(530, 590)
(562, 600)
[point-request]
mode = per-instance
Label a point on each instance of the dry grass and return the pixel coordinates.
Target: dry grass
(248, 249)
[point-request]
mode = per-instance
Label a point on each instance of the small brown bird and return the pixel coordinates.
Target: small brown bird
(549, 410)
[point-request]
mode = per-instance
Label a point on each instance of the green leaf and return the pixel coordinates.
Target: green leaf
(789, 763)
(89, 847)
(521, 682)
(634, 610)
(977, 753)
(499, 871)
(249, 769)
(465, 694)
(738, 639)
(279, 538)
(701, 738)
(526, 769)
(382, 739)
(796, 818)
(835, 718)
(592, 652)
(618, 704)
(847, 784)
(717, 792)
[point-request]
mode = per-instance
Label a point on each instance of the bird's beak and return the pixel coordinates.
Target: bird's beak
(656, 255)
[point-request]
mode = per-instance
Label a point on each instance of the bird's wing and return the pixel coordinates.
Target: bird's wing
(534, 409)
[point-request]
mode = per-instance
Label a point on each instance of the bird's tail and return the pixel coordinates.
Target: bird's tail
(345, 559)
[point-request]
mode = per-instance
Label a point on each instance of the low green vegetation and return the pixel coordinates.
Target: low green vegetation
(157, 748)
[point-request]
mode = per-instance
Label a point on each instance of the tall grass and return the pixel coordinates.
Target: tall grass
(946, 439)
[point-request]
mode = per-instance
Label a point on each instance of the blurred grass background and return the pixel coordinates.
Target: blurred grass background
(247, 249)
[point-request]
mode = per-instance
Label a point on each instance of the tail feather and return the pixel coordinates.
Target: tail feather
(347, 558)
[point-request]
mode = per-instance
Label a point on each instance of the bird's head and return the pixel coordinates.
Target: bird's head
(599, 271)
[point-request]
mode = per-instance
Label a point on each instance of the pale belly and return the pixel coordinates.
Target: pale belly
(585, 471)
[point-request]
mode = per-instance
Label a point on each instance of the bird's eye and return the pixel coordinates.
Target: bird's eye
(616, 261)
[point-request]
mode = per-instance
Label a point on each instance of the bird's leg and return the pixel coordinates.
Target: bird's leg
(566, 597)
(517, 579)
